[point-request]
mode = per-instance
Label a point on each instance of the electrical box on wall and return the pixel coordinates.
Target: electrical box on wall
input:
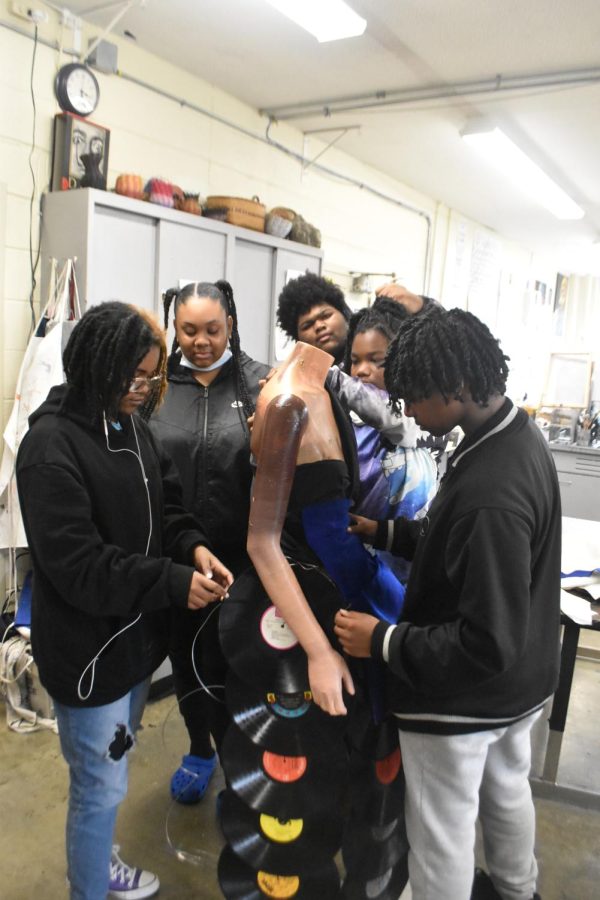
(104, 57)
(29, 12)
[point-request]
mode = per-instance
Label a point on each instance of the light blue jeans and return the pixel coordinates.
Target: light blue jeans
(94, 741)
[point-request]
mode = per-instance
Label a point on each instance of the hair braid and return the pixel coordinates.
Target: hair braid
(104, 351)
(444, 351)
(385, 316)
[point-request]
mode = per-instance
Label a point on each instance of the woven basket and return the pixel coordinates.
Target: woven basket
(284, 212)
(246, 213)
(277, 225)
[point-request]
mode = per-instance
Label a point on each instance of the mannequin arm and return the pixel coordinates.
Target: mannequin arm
(284, 424)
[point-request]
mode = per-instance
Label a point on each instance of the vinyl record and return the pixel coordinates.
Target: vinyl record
(257, 642)
(370, 850)
(287, 787)
(377, 791)
(387, 886)
(287, 723)
(239, 881)
(286, 846)
(372, 741)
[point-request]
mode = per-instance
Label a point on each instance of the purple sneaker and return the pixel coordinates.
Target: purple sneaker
(129, 882)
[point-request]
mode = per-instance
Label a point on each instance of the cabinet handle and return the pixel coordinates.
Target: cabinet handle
(562, 481)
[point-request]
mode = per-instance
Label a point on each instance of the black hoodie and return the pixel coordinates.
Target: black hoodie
(88, 520)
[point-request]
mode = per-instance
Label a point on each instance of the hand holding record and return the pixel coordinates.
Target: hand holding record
(287, 722)
(269, 646)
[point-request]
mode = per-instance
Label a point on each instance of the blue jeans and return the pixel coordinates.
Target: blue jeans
(94, 741)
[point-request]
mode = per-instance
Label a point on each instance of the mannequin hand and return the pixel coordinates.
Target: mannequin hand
(203, 590)
(327, 673)
(354, 631)
(411, 302)
(366, 529)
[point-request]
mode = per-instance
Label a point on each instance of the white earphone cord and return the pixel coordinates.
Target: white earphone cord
(92, 663)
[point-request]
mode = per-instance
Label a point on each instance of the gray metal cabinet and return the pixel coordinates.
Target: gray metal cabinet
(131, 250)
(578, 471)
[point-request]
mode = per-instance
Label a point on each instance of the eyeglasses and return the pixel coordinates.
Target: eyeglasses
(138, 384)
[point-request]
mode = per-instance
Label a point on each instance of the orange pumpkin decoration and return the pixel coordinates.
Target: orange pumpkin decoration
(130, 186)
(190, 203)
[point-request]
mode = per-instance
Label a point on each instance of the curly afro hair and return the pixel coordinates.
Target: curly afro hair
(301, 295)
(442, 351)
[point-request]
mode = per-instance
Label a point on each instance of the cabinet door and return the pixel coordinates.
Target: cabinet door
(187, 253)
(123, 255)
(579, 480)
(252, 284)
(289, 264)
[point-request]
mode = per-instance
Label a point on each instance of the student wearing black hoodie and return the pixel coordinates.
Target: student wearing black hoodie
(112, 550)
(476, 652)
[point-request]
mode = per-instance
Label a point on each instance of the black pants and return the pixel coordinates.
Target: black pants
(203, 716)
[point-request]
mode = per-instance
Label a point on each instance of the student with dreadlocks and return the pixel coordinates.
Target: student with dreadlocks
(101, 504)
(212, 388)
(475, 654)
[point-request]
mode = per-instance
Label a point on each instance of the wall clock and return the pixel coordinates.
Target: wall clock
(77, 89)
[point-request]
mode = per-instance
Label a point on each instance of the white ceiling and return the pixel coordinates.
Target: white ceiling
(250, 50)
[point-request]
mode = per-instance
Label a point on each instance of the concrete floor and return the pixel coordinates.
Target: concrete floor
(182, 844)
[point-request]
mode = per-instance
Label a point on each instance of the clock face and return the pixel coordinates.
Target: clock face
(77, 90)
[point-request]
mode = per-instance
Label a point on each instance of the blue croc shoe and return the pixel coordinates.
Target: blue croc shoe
(190, 781)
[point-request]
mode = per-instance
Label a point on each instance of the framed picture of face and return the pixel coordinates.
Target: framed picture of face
(80, 153)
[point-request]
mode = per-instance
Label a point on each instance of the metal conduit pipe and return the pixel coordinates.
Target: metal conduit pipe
(269, 142)
(377, 99)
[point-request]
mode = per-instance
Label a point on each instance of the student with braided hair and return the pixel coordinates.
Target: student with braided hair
(212, 389)
(475, 654)
(397, 475)
(112, 550)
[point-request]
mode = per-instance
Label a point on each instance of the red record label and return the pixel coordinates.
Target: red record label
(284, 768)
(387, 769)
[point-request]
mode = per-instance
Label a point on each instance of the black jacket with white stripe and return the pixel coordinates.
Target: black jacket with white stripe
(478, 643)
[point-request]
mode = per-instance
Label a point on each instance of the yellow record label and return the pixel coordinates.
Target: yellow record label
(282, 831)
(280, 886)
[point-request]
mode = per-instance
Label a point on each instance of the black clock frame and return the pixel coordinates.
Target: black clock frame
(60, 88)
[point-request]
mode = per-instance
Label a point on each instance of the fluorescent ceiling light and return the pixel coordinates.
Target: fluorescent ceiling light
(509, 159)
(328, 20)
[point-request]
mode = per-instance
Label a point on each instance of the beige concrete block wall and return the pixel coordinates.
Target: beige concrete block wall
(218, 147)
(224, 150)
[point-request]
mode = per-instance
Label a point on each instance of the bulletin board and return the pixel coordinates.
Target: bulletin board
(568, 380)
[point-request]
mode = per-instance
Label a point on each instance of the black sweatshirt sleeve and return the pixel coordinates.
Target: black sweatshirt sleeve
(96, 577)
(487, 558)
(398, 536)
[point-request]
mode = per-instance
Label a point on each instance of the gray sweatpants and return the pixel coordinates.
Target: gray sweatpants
(450, 780)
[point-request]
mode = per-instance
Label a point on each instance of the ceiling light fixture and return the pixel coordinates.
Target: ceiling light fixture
(501, 152)
(327, 20)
